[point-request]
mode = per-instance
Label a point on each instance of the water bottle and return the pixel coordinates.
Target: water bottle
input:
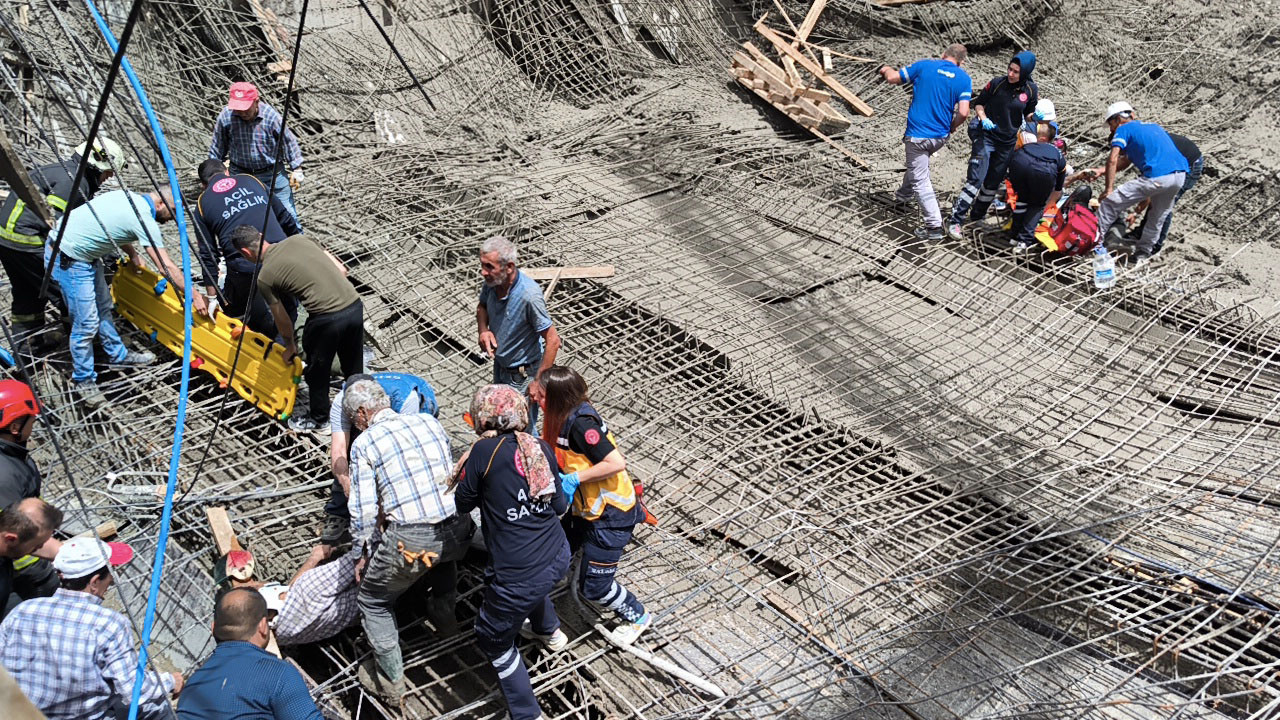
(1104, 268)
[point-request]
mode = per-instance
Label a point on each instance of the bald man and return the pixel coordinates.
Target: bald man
(242, 679)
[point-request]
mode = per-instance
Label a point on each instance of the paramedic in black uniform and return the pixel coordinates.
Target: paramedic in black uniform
(1037, 171)
(229, 201)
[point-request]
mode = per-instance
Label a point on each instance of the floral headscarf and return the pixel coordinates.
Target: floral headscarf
(497, 409)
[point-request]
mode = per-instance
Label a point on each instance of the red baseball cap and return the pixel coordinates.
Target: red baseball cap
(243, 96)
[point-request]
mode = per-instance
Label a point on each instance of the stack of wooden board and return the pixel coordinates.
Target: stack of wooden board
(782, 87)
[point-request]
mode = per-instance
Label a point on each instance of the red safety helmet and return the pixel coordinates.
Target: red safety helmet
(16, 402)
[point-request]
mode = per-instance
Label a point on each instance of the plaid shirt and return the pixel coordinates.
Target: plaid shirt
(74, 658)
(252, 144)
(321, 604)
(399, 467)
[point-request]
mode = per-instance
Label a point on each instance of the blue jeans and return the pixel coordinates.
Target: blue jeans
(520, 381)
(89, 302)
(506, 605)
(1193, 176)
(282, 188)
(988, 162)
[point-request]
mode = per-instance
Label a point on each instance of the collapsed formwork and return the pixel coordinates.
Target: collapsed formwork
(896, 479)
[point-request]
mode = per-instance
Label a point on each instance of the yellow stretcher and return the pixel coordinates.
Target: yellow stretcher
(262, 376)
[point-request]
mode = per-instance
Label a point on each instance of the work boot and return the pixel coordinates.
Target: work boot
(443, 615)
(136, 358)
(335, 531)
(90, 395)
(928, 234)
(555, 642)
(386, 690)
(955, 231)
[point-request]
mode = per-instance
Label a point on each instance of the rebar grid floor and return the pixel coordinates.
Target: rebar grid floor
(896, 479)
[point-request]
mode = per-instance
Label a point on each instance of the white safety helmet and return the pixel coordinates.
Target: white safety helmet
(1045, 108)
(107, 155)
(1119, 108)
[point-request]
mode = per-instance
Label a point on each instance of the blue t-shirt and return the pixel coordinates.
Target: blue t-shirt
(241, 681)
(1149, 148)
(97, 228)
(938, 85)
(518, 321)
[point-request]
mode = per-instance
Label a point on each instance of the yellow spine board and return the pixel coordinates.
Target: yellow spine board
(262, 376)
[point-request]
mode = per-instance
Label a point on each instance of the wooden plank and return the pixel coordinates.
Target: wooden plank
(843, 150)
(816, 95)
(14, 172)
(105, 531)
(772, 70)
(224, 538)
(793, 75)
(810, 19)
(845, 93)
(551, 286)
(569, 273)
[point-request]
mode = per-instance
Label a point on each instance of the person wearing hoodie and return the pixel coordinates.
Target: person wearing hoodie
(1000, 109)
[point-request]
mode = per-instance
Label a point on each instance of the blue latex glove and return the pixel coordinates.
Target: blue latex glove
(1039, 116)
(569, 483)
(988, 124)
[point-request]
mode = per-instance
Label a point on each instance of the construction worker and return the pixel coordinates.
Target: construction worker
(248, 132)
(409, 394)
(514, 326)
(318, 602)
(512, 477)
(24, 233)
(229, 201)
(26, 526)
(302, 269)
(604, 505)
(95, 231)
(1163, 171)
(1000, 109)
(1037, 171)
(241, 679)
(73, 657)
(19, 479)
(940, 92)
(403, 526)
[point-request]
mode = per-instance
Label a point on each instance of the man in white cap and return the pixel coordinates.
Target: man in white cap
(73, 657)
(1147, 147)
(248, 132)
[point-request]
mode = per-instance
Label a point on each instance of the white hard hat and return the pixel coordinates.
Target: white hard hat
(1045, 108)
(106, 155)
(1116, 108)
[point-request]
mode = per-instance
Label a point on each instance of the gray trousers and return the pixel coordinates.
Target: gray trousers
(1162, 190)
(916, 181)
(390, 573)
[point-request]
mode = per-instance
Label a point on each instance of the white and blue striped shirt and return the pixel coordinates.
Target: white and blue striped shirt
(399, 467)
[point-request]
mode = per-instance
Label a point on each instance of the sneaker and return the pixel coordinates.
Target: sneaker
(371, 677)
(999, 205)
(136, 358)
(627, 633)
(1141, 259)
(928, 233)
(303, 423)
(555, 642)
(90, 395)
(955, 231)
(1019, 246)
(335, 531)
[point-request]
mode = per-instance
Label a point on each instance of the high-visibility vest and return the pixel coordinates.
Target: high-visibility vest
(591, 498)
(9, 233)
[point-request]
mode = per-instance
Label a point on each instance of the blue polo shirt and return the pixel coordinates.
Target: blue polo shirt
(938, 85)
(241, 681)
(1149, 148)
(517, 321)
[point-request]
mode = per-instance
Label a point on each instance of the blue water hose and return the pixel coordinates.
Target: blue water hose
(157, 568)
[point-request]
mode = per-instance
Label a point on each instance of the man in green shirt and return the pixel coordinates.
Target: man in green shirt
(298, 267)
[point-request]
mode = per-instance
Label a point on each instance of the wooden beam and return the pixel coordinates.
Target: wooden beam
(224, 538)
(551, 286)
(105, 531)
(844, 150)
(14, 172)
(816, 70)
(810, 19)
(569, 273)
